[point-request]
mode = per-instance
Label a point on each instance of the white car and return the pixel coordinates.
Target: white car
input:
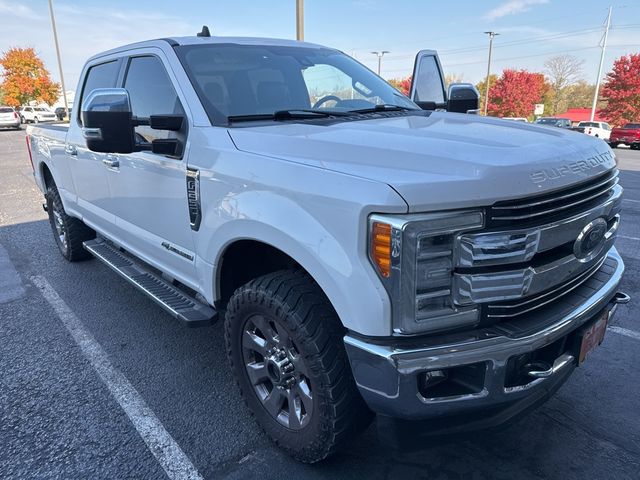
(516, 119)
(9, 118)
(596, 129)
(36, 115)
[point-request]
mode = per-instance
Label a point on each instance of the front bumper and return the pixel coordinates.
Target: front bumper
(388, 374)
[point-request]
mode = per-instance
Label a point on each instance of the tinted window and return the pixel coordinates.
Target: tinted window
(6, 109)
(632, 125)
(104, 75)
(589, 124)
(151, 93)
(236, 80)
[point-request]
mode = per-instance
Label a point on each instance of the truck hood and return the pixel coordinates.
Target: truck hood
(438, 161)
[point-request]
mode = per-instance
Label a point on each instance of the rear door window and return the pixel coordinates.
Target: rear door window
(103, 75)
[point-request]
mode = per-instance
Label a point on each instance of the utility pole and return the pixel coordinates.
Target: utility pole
(486, 83)
(380, 55)
(55, 39)
(604, 46)
(300, 20)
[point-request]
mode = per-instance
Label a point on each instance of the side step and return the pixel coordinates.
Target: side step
(185, 308)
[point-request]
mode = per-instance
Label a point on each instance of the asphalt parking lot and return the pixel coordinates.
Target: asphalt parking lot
(58, 419)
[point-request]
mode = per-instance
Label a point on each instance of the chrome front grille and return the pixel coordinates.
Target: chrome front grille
(515, 308)
(529, 255)
(562, 202)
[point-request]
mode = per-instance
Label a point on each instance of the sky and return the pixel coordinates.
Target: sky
(530, 31)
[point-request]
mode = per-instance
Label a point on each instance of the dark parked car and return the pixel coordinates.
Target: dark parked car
(554, 122)
(61, 112)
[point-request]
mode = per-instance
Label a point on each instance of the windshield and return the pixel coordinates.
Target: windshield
(6, 110)
(632, 125)
(244, 80)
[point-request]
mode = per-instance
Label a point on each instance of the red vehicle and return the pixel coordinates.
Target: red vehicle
(627, 135)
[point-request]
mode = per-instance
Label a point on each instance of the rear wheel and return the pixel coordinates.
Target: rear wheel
(35, 120)
(284, 343)
(68, 232)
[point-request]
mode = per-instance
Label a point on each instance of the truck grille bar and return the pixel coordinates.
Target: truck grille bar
(566, 200)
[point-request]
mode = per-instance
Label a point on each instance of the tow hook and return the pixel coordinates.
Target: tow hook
(620, 298)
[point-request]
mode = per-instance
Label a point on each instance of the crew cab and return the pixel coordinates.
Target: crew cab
(371, 254)
(627, 135)
(596, 129)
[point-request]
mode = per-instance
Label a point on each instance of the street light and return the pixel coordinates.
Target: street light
(55, 39)
(486, 83)
(380, 55)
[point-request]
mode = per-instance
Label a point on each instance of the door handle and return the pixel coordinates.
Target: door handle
(111, 162)
(70, 149)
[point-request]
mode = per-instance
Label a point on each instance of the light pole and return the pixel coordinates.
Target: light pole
(55, 39)
(300, 20)
(486, 83)
(604, 46)
(380, 55)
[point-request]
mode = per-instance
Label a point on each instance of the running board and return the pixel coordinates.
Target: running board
(182, 306)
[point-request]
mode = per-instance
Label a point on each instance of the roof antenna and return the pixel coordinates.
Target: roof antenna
(205, 32)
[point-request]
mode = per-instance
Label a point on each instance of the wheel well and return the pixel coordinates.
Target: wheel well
(47, 177)
(245, 260)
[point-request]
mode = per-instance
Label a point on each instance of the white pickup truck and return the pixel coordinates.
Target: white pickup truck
(441, 270)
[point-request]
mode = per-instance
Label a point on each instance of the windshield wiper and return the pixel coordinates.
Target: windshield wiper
(384, 107)
(293, 114)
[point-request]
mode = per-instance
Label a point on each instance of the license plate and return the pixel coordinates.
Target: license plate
(592, 337)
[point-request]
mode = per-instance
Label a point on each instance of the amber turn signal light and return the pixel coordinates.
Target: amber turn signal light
(381, 247)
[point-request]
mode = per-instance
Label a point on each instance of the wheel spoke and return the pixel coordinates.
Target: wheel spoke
(282, 336)
(261, 324)
(295, 409)
(304, 393)
(253, 342)
(257, 373)
(273, 403)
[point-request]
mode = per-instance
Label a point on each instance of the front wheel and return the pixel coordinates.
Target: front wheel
(35, 120)
(614, 144)
(635, 146)
(284, 343)
(68, 232)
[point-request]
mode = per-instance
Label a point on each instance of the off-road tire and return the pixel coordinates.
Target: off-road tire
(295, 301)
(75, 230)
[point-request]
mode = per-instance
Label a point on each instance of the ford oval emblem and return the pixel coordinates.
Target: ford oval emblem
(591, 240)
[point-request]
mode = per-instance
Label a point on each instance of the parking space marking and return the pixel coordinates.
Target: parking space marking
(626, 237)
(630, 200)
(164, 448)
(624, 331)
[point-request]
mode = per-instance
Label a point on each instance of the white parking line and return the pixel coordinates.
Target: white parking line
(173, 460)
(630, 200)
(624, 331)
(626, 237)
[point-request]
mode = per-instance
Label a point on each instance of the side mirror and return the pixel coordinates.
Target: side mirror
(463, 98)
(107, 121)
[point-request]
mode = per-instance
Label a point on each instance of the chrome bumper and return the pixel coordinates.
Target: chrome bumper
(387, 374)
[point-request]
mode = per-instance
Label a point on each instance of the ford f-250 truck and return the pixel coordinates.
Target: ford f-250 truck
(441, 270)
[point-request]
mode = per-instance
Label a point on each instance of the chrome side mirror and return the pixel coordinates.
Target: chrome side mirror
(107, 121)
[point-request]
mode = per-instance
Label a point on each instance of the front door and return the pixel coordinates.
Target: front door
(149, 191)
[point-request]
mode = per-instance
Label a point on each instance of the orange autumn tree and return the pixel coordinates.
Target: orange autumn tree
(25, 78)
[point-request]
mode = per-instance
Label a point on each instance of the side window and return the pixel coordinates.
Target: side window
(104, 75)
(151, 93)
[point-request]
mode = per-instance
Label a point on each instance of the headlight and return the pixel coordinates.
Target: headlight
(414, 257)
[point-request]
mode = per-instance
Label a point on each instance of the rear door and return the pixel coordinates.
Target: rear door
(88, 168)
(427, 82)
(149, 191)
